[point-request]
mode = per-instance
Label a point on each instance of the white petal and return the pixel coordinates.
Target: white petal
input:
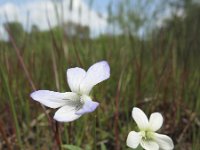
(133, 139)
(149, 145)
(164, 141)
(66, 114)
(155, 121)
(140, 118)
(74, 78)
(53, 99)
(88, 106)
(96, 73)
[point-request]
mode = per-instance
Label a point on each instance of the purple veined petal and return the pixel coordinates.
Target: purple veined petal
(164, 141)
(97, 73)
(53, 99)
(155, 121)
(140, 118)
(74, 78)
(88, 106)
(66, 114)
(133, 139)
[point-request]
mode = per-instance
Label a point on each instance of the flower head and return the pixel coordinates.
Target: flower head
(147, 137)
(78, 102)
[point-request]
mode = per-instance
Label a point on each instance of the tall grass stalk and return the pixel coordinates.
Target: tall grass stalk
(13, 109)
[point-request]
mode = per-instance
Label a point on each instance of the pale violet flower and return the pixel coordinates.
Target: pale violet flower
(147, 137)
(78, 102)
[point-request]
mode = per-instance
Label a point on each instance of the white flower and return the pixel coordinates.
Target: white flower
(147, 137)
(78, 102)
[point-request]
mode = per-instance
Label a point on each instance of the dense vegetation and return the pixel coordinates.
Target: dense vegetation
(158, 72)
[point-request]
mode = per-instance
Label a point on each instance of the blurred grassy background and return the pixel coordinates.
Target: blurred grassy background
(158, 71)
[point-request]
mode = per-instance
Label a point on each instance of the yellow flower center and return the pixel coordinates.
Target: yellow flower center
(83, 98)
(147, 135)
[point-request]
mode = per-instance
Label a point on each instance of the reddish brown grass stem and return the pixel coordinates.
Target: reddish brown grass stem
(117, 144)
(27, 74)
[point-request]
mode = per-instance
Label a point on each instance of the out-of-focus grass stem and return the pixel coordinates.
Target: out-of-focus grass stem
(12, 105)
(116, 121)
(19, 56)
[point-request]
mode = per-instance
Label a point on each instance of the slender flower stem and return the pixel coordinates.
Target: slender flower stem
(57, 136)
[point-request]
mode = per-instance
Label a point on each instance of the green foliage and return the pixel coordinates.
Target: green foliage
(71, 147)
(158, 73)
(16, 30)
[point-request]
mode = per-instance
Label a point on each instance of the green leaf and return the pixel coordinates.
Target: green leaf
(71, 147)
(103, 147)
